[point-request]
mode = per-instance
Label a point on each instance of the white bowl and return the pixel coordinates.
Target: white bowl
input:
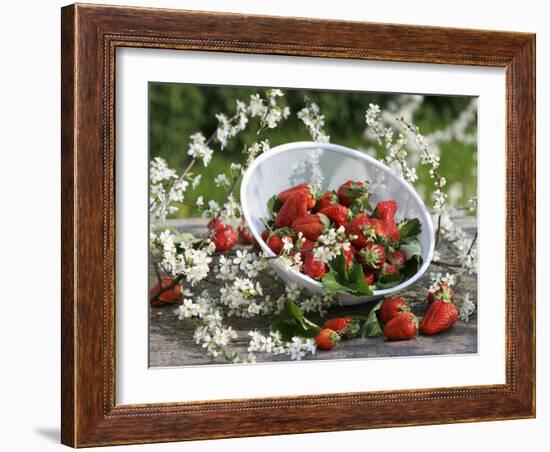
(329, 165)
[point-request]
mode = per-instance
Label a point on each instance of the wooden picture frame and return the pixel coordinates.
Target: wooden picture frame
(90, 36)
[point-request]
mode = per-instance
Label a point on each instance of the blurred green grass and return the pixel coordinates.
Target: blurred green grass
(176, 111)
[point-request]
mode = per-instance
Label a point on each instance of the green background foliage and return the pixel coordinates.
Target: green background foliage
(176, 111)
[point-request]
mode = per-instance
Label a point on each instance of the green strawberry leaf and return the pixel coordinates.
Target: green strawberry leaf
(274, 205)
(291, 322)
(372, 327)
(331, 282)
(388, 281)
(411, 248)
(409, 228)
(412, 266)
(357, 277)
(338, 279)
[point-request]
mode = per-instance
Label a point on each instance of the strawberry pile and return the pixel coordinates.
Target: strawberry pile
(393, 318)
(343, 242)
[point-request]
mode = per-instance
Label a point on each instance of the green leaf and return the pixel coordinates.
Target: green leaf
(411, 248)
(372, 327)
(291, 322)
(274, 205)
(330, 282)
(409, 228)
(412, 266)
(388, 281)
(357, 277)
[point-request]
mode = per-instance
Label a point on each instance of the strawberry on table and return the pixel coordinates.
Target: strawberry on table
(391, 308)
(313, 268)
(402, 327)
(444, 292)
(440, 316)
(327, 199)
(344, 326)
(326, 339)
(350, 191)
(337, 214)
(296, 206)
(224, 237)
(170, 296)
(310, 225)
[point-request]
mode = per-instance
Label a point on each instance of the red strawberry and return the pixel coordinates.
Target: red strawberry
(349, 256)
(386, 210)
(337, 324)
(327, 199)
(215, 224)
(391, 308)
(370, 276)
(225, 238)
(170, 296)
(373, 255)
(326, 339)
(351, 190)
(389, 269)
(296, 206)
(307, 245)
(397, 258)
(306, 189)
(440, 316)
(444, 292)
(265, 235)
(386, 231)
(245, 234)
(361, 227)
(403, 326)
(311, 226)
(337, 214)
(312, 267)
(275, 242)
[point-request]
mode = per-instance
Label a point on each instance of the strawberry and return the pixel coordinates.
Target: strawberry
(370, 276)
(337, 214)
(350, 191)
(349, 256)
(275, 242)
(361, 228)
(338, 324)
(307, 245)
(401, 327)
(245, 234)
(225, 238)
(389, 269)
(373, 255)
(386, 210)
(327, 199)
(311, 225)
(296, 206)
(215, 224)
(306, 189)
(440, 316)
(391, 308)
(326, 339)
(444, 292)
(312, 267)
(386, 231)
(171, 296)
(397, 258)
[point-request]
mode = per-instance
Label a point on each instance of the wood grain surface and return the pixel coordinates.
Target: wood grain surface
(90, 36)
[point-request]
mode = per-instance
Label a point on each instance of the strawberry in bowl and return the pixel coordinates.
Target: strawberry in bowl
(352, 226)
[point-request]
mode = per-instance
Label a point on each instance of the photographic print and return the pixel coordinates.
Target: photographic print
(300, 225)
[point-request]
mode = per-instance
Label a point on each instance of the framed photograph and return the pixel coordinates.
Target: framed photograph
(267, 218)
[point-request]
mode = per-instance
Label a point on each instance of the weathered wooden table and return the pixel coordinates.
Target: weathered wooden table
(171, 340)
